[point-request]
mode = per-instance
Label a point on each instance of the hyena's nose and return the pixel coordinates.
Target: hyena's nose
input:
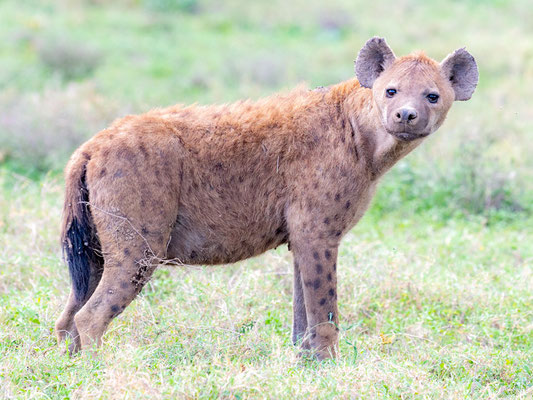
(405, 114)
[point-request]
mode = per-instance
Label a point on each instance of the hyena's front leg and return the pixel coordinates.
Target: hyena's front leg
(299, 316)
(316, 260)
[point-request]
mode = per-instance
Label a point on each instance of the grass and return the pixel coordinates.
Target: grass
(429, 309)
(435, 283)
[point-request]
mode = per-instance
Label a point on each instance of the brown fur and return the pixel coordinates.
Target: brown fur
(218, 184)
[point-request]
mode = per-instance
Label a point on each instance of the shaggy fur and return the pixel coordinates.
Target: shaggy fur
(218, 184)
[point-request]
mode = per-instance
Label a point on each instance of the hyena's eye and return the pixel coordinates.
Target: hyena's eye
(432, 97)
(390, 92)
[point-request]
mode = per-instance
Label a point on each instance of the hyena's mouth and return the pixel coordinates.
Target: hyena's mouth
(409, 136)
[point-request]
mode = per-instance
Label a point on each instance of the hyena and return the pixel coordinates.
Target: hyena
(222, 183)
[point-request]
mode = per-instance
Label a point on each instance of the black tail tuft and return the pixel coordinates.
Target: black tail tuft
(81, 247)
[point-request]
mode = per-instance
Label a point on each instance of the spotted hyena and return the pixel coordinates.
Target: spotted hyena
(219, 184)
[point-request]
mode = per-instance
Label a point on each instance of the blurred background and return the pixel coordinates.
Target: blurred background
(435, 282)
(68, 68)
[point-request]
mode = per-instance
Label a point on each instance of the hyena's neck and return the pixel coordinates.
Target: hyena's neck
(375, 147)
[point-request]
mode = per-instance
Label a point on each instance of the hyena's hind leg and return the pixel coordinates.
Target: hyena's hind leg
(65, 327)
(133, 191)
(129, 264)
(134, 232)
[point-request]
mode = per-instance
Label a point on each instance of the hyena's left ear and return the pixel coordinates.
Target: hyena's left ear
(373, 58)
(460, 69)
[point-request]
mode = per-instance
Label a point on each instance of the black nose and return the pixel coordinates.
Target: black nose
(406, 114)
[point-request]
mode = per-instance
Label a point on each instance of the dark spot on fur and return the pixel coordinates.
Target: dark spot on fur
(336, 217)
(327, 254)
(330, 278)
(319, 268)
(86, 155)
(315, 185)
(124, 285)
(313, 336)
(326, 221)
(118, 174)
(126, 154)
(338, 233)
(315, 255)
(144, 231)
(127, 252)
(193, 255)
(103, 172)
(343, 139)
(347, 205)
(335, 267)
(316, 284)
(344, 172)
(322, 301)
(338, 197)
(241, 179)
(115, 308)
(143, 151)
(331, 292)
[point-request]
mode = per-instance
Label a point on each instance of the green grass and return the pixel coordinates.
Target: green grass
(435, 283)
(453, 298)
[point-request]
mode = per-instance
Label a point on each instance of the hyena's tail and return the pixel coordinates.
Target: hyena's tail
(79, 242)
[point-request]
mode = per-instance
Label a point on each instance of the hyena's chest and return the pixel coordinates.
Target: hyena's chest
(334, 211)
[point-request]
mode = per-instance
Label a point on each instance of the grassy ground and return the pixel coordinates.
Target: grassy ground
(429, 309)
(435, 283)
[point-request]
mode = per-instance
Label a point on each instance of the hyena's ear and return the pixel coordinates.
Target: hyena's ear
(373, 58)
(460, 69)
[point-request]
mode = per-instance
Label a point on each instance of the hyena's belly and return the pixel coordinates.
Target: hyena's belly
(199, 239)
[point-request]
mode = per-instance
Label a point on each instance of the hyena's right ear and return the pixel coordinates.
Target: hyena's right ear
(373, 58)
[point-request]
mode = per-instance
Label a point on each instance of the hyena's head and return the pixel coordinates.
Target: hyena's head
(414, 93)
